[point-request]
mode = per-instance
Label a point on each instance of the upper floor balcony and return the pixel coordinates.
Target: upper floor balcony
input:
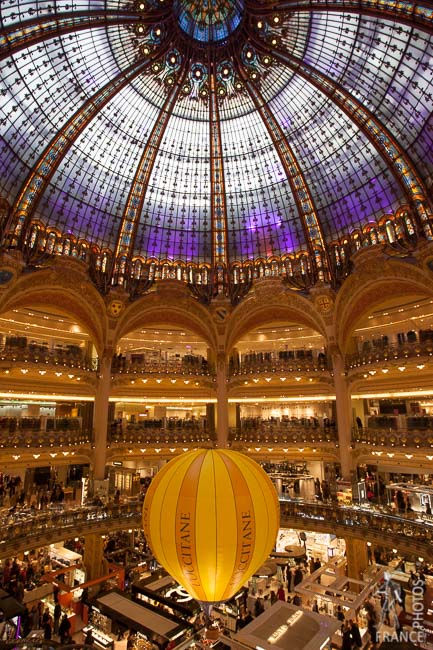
(18, 349)
(285, 431)
(142, 364)
(411, 534)
(393, 437)
(164, 431)
(278, 361)
(384, 353)
(21, 432)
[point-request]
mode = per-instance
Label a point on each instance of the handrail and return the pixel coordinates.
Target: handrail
(390, 353)
(411, 534)
(406, 438)
(42, 528)
(161, 436)
(197, 366)
(278, 365)
(278, 434)
(41, 355)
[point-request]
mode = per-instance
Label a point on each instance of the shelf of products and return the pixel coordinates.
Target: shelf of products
(100, 621)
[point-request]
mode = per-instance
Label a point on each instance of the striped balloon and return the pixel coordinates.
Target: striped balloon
(211, 518)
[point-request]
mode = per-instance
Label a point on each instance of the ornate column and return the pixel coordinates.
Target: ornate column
(222, 411)
(343, 412)
(357, 558)
(93, 558)
(100, 415)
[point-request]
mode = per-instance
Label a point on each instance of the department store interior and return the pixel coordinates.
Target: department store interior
(216, 232)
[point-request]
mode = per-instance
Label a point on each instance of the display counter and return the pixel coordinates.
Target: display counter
(418, 497)
(161, 590)
(337, 638)
(35, 595)
(226, 616)
(151, 622)
(100, 639)
(62, 556)
(285, 626)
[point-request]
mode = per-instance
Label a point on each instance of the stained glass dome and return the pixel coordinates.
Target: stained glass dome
(208, 21)
(216, 132)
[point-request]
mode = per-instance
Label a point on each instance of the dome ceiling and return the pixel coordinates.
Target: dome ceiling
(214, 131)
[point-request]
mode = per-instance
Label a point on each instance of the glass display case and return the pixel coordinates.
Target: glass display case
(100, 639)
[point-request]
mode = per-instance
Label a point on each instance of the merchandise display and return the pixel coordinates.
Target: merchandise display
(286, 626)
(100, 639)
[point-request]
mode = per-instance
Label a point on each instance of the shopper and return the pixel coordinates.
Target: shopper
(89, 638)
(355, 634)
(299, 576)
(347, 638)
(340, 613)
(258, 607)
(57, 615)
(48, 631)
(64, 628)
(281, 594)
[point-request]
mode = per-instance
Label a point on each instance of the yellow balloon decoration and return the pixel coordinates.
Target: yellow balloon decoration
(211, 518)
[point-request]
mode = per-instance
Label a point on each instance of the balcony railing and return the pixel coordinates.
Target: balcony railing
(410, 533)
(393, 438)
(187, 365)
(42, 432)
(275, 365)
(161, 432)
(413, 534)
(290, 433)
(30, 530)
(42, 355)
(390, 353)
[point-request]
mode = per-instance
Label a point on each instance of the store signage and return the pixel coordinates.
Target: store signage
(280, 631)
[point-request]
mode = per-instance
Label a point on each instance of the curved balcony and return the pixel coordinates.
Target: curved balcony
(399, 438)
(410, 535)
(42, 432)
(42, 355)
(271, 363)
(290, 433)
(141, 365)
(390, 354)
(158, 432)
(32, 531)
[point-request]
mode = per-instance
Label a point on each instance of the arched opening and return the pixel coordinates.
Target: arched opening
(174, 368)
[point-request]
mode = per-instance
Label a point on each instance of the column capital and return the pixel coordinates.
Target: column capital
(221, 359)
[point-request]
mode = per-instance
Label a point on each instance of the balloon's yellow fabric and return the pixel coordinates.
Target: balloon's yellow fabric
(211, 518)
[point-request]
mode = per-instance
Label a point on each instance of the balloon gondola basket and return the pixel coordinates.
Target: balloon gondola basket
(212, 633)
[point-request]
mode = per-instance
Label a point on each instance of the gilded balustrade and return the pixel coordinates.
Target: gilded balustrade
(284, 434)
(410, 533)
(390, 354)
(398, 438)
(42, 355)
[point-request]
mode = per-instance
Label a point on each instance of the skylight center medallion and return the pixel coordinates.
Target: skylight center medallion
(209, 21)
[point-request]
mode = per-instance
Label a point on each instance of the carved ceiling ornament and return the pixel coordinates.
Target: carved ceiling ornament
(11, 267)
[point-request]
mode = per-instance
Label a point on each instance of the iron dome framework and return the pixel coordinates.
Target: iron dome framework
(215, 142)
